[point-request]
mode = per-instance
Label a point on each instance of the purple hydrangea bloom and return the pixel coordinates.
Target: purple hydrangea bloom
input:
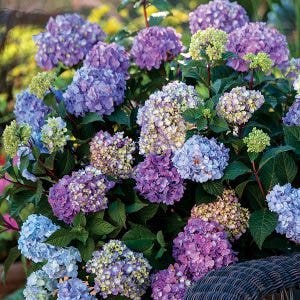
(154, 45)
(254, 38)
(34, 232)
(31, 110)
(108, 56)
(59, 199)
(285, 201)
(219, 14)
(170, 284)
(67, 39)
(73, 289)
(292, 69)
(202, 247)
(292, 118)
(95, 90)
(201, 159)
(158, 180)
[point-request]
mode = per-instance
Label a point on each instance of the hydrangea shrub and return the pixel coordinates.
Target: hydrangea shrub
(137, 163)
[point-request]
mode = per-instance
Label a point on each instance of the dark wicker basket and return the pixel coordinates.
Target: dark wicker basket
(272, 278)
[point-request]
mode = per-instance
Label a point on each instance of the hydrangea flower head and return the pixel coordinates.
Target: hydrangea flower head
(238, 105)
(119, 271)
(201, 159)
(257, 141)
(154, 45)
(94, 90)
(67, 39)
(31, 110)
(170, 284)
(158, 180)
(255, 38)
(41, 83)
(108, 56)
(296, 84)
(63, 263)
(261, 61)
(227, 211)
(54, 134)
(210, 41)
(285, 201)
(292, 69)
(15, 136)
(33, 235)
(112, 154)
(39, 286)
(292, 118)
(202, 247)
(219, 14)
(73, 289)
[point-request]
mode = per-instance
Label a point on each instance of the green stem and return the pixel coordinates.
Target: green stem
(257, 179)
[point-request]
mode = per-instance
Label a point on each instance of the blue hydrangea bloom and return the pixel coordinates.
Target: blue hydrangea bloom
(34, 232)
(285, 201)
(39, 286)
(201, 159)
(31, 110)
(63, 263)
(95, 90)
(73, 289)
(292, 118)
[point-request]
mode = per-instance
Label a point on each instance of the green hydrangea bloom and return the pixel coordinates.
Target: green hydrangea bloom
(54, 134)
(211, 41)
(261, 60)
(14, 136)
(257, 141)
(41, 83)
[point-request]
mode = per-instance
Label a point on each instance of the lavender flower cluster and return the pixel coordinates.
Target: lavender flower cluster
(292, 118)
(158, 180)
(67, 39)
(154, 45)
(285, 201)
(84, 191)
(255, 38)
(119, 271)
(201, 159)
(220, 14)
(94, 90)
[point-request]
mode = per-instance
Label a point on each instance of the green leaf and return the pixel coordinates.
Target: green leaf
(101, 227)
(62, 237)
(160, 238)
(124, 3)
(241, 187)
(201, 124)
(235, 169)
(116, 211)
(120, 117)
(213, 187)
(147, 212)
(156, 18)
(86, 249)
(79, 220)
(49, 161)
(91, 117)
(162, 5)
(271, 153)
(292, 137)
(66, 163)
(136, 206)
(50, 101)
(218, 125)
(13, 255)
(261, 224)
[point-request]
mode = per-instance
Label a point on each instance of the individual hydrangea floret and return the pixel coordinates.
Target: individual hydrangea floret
(255, 38)
(170, 284)
(108, 56)
(67, 39)
(94, 90)
(227, 211)
(73, 289)
(202, 247)
(39, 286)
(154, 45)
(158, 180)
(292, 118)
(31, 110)
(119, 271)
(238, 105)
(63, 263)
(261, 61)
(54, 134)
(219, 14)
(257, 141)
(15, 136)
(41, 83)
(33, 235)
(211, 42)
(201, 159)
(285, 201)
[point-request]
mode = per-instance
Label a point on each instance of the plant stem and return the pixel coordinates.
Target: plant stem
(251, 81)
(209, 78)
(145, 13)
(257, 179)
